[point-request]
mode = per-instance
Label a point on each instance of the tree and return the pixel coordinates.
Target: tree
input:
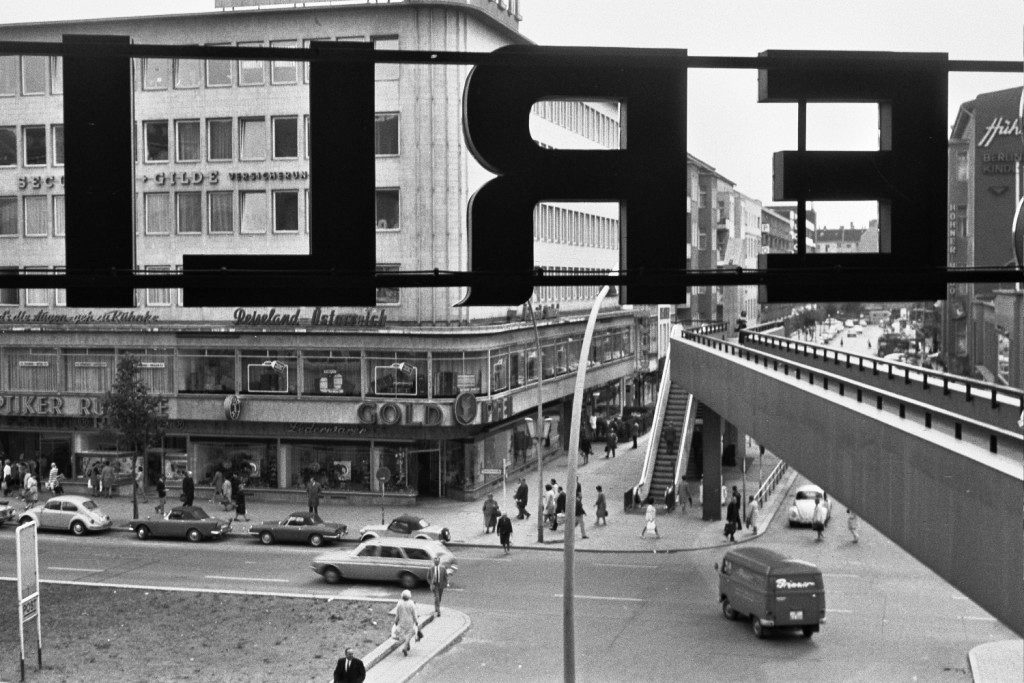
(133, 415)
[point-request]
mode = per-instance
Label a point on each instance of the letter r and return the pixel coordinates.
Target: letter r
(646, 176)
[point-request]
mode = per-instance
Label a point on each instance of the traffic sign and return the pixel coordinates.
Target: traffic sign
(490, 471)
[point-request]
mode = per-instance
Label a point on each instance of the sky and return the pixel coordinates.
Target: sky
(727, 128)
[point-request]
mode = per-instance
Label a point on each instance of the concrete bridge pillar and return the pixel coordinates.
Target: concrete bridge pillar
(711, 440)
(730, 437)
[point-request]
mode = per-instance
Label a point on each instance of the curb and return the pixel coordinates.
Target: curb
(377, 658)
(387, 647)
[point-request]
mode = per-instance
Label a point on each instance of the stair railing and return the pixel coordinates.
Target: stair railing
(685, 440)
(660, 408)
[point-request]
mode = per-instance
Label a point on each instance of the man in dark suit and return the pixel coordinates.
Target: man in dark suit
(188, 489)
(522, 497)
(349, 668)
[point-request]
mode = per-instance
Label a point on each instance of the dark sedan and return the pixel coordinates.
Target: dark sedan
(189, 522)
(299, 527)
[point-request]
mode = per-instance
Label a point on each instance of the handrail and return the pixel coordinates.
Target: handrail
(970, 388)
(962, 428)
(683, 449)
(660, 408)
(768, 485)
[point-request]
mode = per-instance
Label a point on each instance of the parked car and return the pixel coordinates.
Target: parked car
(298, 527)
(801, 511)
(407, 526)
(407, 561)
(76, 514)
(6, 511)
(187, 521)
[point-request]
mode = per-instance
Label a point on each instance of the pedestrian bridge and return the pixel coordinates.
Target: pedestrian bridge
(945, 486)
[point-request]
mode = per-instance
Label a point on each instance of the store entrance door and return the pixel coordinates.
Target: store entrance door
(428, 481)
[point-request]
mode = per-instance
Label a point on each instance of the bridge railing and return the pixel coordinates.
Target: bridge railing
(961, 428)
(970, 389)
(771, 481)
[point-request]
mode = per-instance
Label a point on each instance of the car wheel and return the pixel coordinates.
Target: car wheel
(366, 537)
(77, 528)
(194, 535)
(759, 630)
(446, 535)
(408, 581)
(316, 540)
(266, 538)
(808, 631)
(24, 520)
(142, 532)
(332, 575)
(727, 611)
(423, 538)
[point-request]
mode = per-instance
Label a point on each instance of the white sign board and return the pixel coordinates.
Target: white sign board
(27, 549)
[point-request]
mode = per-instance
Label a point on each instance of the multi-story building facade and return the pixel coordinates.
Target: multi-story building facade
(739, 246)
(434, 393)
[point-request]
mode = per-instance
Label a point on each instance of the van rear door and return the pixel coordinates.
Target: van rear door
(799, 599)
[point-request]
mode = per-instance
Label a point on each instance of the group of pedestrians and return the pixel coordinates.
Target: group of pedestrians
(229, 492)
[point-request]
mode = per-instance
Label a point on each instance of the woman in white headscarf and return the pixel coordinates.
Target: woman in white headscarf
(406, 626)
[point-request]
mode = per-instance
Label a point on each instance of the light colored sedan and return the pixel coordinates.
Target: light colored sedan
(6, 511)
(76, 514)
(407, 561)
(802, 510)
(407, 526)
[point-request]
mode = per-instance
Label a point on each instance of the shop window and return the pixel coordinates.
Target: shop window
(253, 211)
(222, 212)
(386, 71)
(254, 463)
(57, 75)
(251, 71)
(156, 73)
(34, 370)
(9, 217)
(186, 136)
(456, 373)
(156, 368)
(286, 137)
(190, 212)
(269, 372)
(286, 211)
(158, 213)
(337, 466)
(89, 370)
(37, 216)
(388, 296)
(333, 374)
(9, 296)
(396, 459)
(219, 139)
(205, 371)
(283, 73)
(188, 73)
(58, 215)
(499, 371)
(58, 144)
(516, 368)
(385, 134)
(218, 71)
(155, 140)
(34, 141)
(8, 146)
(9, 75)
(33, 74)
(397, 374)
(252, 139)
(162, 295)
(387, 208)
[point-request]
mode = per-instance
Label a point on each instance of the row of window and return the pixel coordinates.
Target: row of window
(582, 119)
(35, 151)
(567, 226)
(553, 293)
(40, 74)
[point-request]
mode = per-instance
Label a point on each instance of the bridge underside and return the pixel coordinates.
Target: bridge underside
(955, 507)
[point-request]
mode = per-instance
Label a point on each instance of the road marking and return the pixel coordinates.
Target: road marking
(601, 597)
(72, 569)
(244, 578)
(978, 618)
(627, 566)
(839, 611)
(843, 576)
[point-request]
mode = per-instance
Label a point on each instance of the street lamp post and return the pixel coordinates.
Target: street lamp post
(539, 427)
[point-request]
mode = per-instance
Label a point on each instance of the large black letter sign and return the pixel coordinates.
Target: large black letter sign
(647, 177)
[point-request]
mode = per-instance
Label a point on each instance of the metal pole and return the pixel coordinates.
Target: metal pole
(382, 501)
(568, 616)
(538, 433)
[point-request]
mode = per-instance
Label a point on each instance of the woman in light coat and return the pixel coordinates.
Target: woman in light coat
(406, 625)
(651, 523)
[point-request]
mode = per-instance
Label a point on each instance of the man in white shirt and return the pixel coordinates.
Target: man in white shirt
(5, 478)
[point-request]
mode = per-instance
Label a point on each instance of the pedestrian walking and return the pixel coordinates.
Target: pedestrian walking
(51, 480)
(651, 522)
(549, 506)
(611, 442)
(580, 515)
(240, 502)
(490, 509)
(6, 477)
(107, 479)
(732, 519)
(140, 484)
(437, 578)
(670, 498)
(559, 508)
(585, 448)
(669, 433)
(601, 509)
(752, 510)
(819, 517)
(522, 497)
(313, 493)
(406, 626)
(227, 493)
(853, 524)
(218, 484)
(350, 669)
(30, 491)
(634, 431)
(94, 479)
(505, 532)
(161, 495)
(188, 489)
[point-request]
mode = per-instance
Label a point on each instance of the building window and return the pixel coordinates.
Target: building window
(251, 71)
(385, 134)
(961, 166)
(58, 215)
(286, 211)
(252, 142)
(186, 136)
(397, 373)
(388, 296)
(306, 44)
(156, 73)
(155, 140)
(305, 133)
(283, 73)
(37, 216)
(158, 213)
(219, 139)
(387, 208)
(58, 144)
(9, 74)
(35, 145)
(8, 146)
(386, 71)
(188, 73)
(161, 296)
(190, 212)
(218, 72)
(9, 297)
(33, 74)
(286, 137)
(222, 212)
(9, 217)
(206, 371)
(269, 371)
(331, 373)
(57, 75)
(253, 211)
(37, 297)
(60, 296)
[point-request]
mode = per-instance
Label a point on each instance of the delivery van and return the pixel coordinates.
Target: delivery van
(772, 590)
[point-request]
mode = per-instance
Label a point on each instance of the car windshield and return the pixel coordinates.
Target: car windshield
(89, 505)
(806, 495)
(422, 524)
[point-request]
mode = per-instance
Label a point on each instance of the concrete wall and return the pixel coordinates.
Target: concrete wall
(955, 508)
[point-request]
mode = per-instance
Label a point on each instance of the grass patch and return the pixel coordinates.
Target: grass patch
(117, 634)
